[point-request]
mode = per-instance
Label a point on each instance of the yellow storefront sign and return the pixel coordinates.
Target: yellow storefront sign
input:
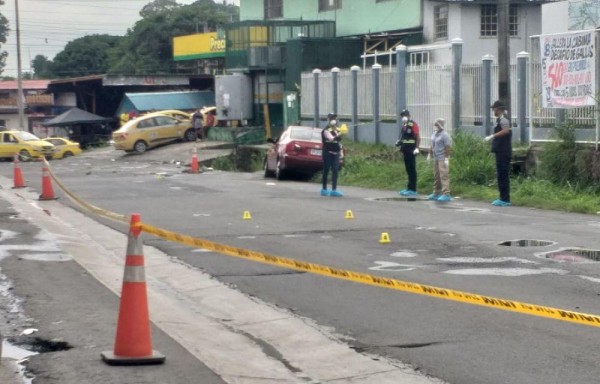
(198, 46)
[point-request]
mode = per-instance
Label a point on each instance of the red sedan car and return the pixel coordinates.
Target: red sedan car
(297, 149)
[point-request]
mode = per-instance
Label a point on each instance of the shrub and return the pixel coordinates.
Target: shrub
(471, 161)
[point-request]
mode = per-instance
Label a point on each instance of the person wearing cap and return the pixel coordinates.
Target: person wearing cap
(440, 152)
(331, 137)
(502, 147)
(409, 142)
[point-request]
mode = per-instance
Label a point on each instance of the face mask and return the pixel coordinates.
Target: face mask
(404, 119)
(332, 122)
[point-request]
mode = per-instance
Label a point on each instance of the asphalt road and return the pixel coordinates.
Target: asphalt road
(453, 246)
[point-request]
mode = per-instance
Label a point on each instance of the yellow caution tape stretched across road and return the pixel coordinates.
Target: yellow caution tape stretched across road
(343, 274)
(378, 281)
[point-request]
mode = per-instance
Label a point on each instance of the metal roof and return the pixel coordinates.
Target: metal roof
(157, 101)
(11, 85)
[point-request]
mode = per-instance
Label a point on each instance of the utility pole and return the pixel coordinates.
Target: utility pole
(20, 106)
(502, 9)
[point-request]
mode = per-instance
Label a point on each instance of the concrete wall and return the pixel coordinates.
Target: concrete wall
(464, 22)
(356, 17)
(553, 17)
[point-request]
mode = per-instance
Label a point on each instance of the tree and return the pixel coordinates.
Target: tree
(4, 27)
(42, 67)
(147, 49)
(84, 56)
(158, 6)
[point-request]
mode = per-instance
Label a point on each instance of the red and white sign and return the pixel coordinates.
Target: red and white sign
(568, 69)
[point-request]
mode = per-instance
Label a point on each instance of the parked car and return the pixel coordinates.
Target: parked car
(298, 148)
(25, 144)
(151, 130)
(175, 113)
(64, 147)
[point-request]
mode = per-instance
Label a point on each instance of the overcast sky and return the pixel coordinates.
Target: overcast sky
(48, 25)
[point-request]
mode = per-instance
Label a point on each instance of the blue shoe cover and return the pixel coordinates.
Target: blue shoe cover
(444, 198)
(335, 193)
(324, 192)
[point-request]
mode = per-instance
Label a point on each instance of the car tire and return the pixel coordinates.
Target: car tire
(190, 135)
(24, 155)
(67, 154)
(268, 172)
(140, 146)
(279, 173)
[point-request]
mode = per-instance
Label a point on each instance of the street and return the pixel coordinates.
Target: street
(266, 322)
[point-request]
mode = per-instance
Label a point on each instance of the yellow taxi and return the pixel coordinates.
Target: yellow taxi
(151, 130)
(177, 114)
(25, 144)
(64, 147)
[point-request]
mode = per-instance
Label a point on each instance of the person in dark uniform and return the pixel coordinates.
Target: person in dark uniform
(502, 148)
(331, 137)
(409, 142)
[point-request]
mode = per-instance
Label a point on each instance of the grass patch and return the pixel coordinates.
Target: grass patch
(472, 176)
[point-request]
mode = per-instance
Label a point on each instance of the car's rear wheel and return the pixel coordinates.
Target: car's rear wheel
(190, 135)
(279, 173)
(24, 155)
(67, 154)
(268, 172)
(140, 146)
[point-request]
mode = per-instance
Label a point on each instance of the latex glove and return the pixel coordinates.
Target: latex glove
(397, 143)
(416, 151)
(447, 161)
(429, 157)
(488, 138)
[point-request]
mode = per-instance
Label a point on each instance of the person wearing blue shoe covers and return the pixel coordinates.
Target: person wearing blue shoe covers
(331, 137)
(502, 148)
(439, 151)
(409, 142)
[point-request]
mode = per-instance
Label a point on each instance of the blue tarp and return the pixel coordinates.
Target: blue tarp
(157, 101)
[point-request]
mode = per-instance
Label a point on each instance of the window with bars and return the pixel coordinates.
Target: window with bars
(440, 20)
(328, 5)
(489, 20)
(273, 9)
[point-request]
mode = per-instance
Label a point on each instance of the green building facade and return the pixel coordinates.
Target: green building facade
(352, 17)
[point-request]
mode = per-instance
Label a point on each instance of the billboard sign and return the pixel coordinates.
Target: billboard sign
(568, 69)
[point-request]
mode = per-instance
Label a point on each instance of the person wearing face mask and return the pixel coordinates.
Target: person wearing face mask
(409, 142)
(502, 148)
(440, 152)
(331, 137)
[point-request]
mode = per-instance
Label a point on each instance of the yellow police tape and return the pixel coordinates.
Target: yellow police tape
(378, 281)
(343, 274)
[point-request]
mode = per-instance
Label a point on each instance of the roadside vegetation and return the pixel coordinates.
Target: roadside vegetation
(567, 176)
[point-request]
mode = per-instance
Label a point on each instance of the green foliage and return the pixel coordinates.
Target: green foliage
(4, 29)
(471, 160)
(148, 49)
(42, 67)
(84, 56)
(242, 159)
(566, 163)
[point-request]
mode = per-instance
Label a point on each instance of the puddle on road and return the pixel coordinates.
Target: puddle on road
(572, 255)
(527, 243)
(20, 355)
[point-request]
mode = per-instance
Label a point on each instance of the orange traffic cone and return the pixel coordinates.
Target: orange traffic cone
(18, 176)
(194, 168)
(133, 342)
(47, 190)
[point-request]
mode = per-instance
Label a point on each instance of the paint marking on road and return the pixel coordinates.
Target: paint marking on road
(589, 278)
(485, 260)
(505, 272)
(404, 253)
(391, 266)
